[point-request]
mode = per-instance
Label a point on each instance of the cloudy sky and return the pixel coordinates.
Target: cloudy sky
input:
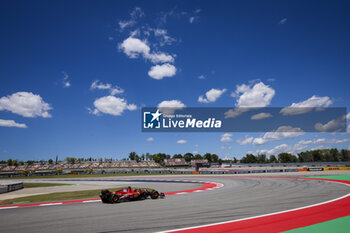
(74, 75)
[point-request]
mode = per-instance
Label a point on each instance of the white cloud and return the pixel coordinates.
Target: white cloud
(283, 148)
(302, 145)
(25, 104)
(191, 19)
(330, 140)
(246, 140)
(276, 150)
(211, 96)
(107, 86)
(348, 122)
(331, 126)
(150, 139)
(201, 77)
(11, 123)
(232, 113)
(162, 34)
(283, 21)
(111, 105)
(133, 47)
(161, 71)
(134, 16)
(226, 137)
(260, 116)
(253, 95)
(307, 105)
(196, 145)
(65, 81)
(170, 106)
(160, 58)
(181, 141)
(226, 147)
(282, 133)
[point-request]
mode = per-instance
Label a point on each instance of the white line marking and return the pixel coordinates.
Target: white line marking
(49, 204)
(8, 207)
(91, 201)
(181, 193)
(264, 215)
(197, 191)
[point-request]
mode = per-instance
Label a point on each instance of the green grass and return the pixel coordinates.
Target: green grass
(334, 177)
(87, 176)
(37, 185)
(60, 196)
(339, 225)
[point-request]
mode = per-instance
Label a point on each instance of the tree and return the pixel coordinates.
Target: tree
(137, 158)
(261, 158)
(249, 158)
(188, 157)
(334, 154)
(305, 157)
(132, 156)
(177, 156)
(234, 160)
(143, 157)
(214, 158)
(344, 155)
(159, 158)
(50, 161)
(208, 157)
(15, 163)
(70, 160)
(198, 156)
(30, 162)
(9, 162)
(273, 159)
(287, 158)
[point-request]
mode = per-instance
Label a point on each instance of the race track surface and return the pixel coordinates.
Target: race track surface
(239, 198)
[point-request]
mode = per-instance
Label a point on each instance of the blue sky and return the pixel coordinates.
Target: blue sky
(74, 75)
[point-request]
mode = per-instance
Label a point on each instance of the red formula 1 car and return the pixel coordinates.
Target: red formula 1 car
(129, 194)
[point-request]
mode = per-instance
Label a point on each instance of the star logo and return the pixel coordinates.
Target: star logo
(156, 115)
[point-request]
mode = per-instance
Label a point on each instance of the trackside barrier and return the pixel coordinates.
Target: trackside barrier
(314, 169)
(336, 168)
(302, 170)
(11, 187)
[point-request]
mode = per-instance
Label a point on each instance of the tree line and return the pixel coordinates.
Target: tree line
(322, 155)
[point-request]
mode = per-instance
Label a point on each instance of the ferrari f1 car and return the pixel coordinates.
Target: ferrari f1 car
(129, 194)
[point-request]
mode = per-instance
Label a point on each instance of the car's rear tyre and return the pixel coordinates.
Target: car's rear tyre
(154, 195)
(115, 199)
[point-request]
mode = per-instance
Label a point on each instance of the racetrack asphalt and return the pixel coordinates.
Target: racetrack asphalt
(239, 198)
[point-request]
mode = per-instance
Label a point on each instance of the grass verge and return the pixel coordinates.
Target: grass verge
(333, 177)
(61, 196)
(339, 225)
(37, 185)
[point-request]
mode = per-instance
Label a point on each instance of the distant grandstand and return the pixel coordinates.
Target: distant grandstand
(79, 166)
(175, 162)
